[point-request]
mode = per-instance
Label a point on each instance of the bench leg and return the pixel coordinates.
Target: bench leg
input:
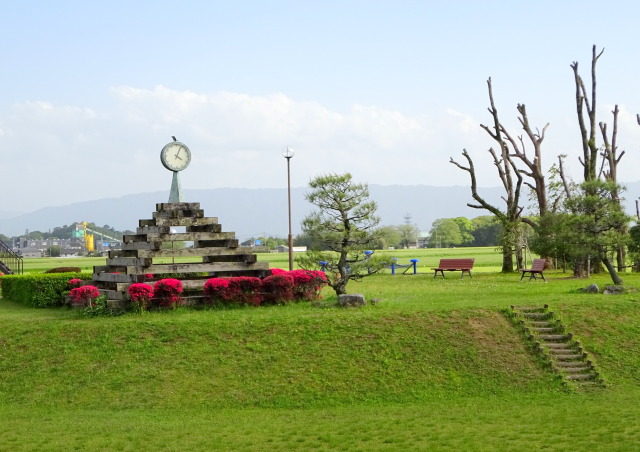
(522, 275)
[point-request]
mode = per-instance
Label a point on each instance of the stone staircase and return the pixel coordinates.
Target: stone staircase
(557, 346)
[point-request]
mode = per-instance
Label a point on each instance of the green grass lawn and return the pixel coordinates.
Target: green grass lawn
(433, 366)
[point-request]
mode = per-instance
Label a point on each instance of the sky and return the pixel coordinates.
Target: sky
(388, 91)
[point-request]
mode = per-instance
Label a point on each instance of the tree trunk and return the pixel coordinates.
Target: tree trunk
(340, 287)
(621, 259)
(507, 259)
(612, 270)
(519, 258)
(580, 268)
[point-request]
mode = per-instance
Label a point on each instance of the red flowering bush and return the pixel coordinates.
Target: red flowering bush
(75, 282)
(246, 289)
(148, 276)
(278, 288)
(84, 296)
(168, 292)
(308, 284)
(140, 295)
(281, 287)
(216, 290)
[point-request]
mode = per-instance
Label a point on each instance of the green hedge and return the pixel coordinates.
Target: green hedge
(39, 290)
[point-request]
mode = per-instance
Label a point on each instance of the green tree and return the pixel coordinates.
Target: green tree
(594, 226)
(408, 234)
(634, 246)
(466, 227)
(444, 233)
(388, 237)
(486, 231)
(53, 251)
(345, 225)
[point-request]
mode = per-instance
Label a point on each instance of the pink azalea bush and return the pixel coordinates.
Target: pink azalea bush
(74, 282)
(84, 296)
(140, 295)
(168, 292)
(278, 271)
(278, 288)
(247, 289)
(308, 284)
(216, 290)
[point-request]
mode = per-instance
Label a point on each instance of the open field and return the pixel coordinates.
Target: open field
(487, 259)
(434, 366)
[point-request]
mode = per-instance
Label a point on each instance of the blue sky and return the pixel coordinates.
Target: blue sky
(387, 90)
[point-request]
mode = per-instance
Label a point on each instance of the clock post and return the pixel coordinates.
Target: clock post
(176, 195)
(175, 157)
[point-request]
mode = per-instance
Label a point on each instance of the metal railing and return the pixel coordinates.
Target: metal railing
(10, 262)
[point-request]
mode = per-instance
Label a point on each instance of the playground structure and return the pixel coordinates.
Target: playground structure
(413, 265)
(394, 265)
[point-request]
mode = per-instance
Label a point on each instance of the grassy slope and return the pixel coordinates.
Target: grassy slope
(434, 366)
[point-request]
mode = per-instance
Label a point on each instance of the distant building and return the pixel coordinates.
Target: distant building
(68, 247)
(296, 249)
(30, 252)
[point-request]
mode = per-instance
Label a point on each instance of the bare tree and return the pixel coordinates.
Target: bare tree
(611, 157)
(510, 218)
(586, 110)
(587, 105)
(534, 165)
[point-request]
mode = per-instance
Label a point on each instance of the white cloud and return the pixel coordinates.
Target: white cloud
(78, 153)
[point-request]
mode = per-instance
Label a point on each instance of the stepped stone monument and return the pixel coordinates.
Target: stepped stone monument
(215, 253)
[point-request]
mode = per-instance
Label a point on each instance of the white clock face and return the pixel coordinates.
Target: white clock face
(175, 156)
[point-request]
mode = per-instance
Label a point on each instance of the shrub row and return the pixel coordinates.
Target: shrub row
(49, 290)
(39, 290)
(280, 288)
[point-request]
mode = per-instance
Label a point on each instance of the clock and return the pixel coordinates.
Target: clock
(175, 156)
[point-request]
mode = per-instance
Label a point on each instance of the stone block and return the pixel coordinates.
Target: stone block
(352, 300)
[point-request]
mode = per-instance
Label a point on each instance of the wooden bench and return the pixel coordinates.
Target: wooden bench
(454, 265)
(537, 268)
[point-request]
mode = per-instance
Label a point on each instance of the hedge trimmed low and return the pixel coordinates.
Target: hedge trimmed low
(39, 290)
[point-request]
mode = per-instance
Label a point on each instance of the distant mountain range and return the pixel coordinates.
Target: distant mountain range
(256, 212)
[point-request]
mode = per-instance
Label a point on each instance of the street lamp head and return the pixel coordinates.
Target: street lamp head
(287, 152)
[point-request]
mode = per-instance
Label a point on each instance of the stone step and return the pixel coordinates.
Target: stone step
(528, 308)
(572, 365)
(576, 370)
(536, 315)
(560, 348)
(557, 345)
(567, 357)
(540, 329)
(555, 337)
(541, 324)
(580, 377)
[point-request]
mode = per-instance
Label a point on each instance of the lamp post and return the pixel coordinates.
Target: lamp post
(287, 152)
